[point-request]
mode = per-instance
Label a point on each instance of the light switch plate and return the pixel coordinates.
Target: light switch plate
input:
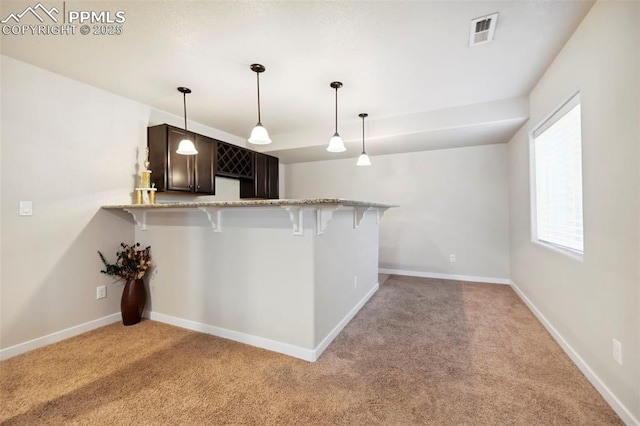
(617, 351)
(26, 208)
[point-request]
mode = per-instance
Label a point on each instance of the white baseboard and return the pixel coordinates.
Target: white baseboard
(310, 355)
(261, 342)
(338, 328)
(249, 339)
(620, 409)
(437, 275)
(58, 336)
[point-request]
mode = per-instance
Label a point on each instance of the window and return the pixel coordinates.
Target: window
(557, 180)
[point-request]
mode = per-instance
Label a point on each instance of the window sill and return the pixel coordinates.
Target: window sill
(562, 250)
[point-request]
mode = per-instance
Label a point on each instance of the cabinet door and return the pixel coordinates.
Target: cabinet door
(261, 176)
(205, 162)
(265, 178)
(157, 144)
(180, 167)
(274, 181)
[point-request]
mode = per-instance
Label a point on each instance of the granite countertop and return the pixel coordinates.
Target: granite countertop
(254, 203)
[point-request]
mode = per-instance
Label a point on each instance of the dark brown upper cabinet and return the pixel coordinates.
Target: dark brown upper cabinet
(234, 161)
(257, 172)
(205, 165)
(264, 183)
(182, 173)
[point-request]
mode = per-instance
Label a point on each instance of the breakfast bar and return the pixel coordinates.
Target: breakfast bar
(284, 275)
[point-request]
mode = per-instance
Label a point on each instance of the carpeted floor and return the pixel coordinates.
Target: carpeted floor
(422, 351)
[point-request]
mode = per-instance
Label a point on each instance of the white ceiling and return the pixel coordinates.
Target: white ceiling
(407, 64)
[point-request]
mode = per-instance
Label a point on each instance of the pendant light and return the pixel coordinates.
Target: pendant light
(259, 135)
(363, 160)
(186, 146)
(336, 144)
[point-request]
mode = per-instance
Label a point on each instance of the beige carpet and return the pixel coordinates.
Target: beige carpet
(421, 351)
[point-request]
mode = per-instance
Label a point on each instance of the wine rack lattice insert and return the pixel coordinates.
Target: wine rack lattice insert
(234, 161)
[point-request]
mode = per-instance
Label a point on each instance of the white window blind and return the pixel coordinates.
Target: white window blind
(557, 144)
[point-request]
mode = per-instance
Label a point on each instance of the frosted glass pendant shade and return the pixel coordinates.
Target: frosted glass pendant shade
(363, 160)
(336, 144)
(186, 147)
(259, 135)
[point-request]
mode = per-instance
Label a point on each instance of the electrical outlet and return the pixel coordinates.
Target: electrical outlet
(26, 208)
(355, 282)
(617, 351)
(452, 258)
(101, 292)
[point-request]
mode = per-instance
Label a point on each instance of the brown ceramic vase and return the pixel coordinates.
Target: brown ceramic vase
(134, 297)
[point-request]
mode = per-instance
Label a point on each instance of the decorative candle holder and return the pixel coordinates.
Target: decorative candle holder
(146, 195)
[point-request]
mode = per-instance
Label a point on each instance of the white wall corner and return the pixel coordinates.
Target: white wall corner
(261, 342)
(342, 324)
(620, 409)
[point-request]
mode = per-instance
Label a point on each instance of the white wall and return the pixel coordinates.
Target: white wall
(590, 302)
(70, 148)
(451, 201)
(257, 282)
(234, 279)
(346, 269)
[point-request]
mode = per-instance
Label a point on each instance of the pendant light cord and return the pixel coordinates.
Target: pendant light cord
(363, 134)
(336, 110)
(258, 77)
(184, 97)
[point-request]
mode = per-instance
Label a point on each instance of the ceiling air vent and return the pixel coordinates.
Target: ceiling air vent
(482, 29)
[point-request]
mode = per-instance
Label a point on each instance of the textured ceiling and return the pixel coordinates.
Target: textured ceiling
(407, 64)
